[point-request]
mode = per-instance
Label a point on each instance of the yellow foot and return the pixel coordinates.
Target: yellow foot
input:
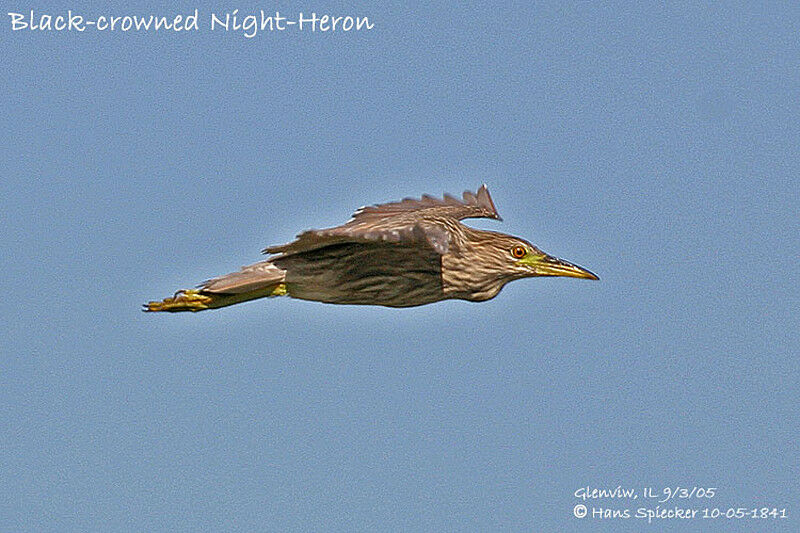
(184, 300)
(279, 290)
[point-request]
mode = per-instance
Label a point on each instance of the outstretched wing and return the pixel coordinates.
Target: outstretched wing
(426, 222)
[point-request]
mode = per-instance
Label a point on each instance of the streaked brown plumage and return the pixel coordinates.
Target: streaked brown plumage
(399, 254)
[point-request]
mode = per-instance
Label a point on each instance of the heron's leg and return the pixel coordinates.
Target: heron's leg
(197, 300)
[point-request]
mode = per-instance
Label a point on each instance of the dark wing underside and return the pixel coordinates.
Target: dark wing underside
(425, 221)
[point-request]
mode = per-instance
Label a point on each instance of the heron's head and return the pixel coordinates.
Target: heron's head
(514, 258)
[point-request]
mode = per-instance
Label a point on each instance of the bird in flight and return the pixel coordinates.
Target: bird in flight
(399, 254)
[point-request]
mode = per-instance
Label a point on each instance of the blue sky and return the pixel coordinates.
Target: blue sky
(656, 145)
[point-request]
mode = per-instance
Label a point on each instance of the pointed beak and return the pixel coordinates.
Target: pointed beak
(553, 266)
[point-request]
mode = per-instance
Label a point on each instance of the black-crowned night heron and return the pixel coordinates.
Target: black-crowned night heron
(399, 254)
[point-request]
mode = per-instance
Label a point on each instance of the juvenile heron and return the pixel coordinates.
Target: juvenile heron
(400, 254)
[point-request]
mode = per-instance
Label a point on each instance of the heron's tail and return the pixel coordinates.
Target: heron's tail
(259, 280)
(200, 299)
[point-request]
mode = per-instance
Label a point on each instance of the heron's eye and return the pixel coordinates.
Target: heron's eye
(518, 252)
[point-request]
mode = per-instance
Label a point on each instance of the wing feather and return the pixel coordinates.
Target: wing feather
(425, 221)
(473, 205)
